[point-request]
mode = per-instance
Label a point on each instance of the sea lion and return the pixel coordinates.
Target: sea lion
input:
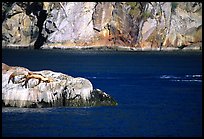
(19, 79)
(38, 76)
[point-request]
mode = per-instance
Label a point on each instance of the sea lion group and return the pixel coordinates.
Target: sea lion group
(17, 77)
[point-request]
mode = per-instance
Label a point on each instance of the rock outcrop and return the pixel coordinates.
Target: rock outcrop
(141, 25)
(19, 27)
(23, 88)
(173, 25)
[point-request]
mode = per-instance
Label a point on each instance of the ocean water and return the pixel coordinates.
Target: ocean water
(159, 94)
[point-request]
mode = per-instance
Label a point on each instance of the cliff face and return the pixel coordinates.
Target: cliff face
(143, 25)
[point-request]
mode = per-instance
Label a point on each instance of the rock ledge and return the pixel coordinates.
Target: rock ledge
(24, 88)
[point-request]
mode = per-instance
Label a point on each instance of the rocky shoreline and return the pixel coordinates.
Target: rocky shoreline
(194, 47)
(33, 89)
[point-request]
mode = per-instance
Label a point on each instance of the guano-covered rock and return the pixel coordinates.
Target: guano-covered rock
(23, 88)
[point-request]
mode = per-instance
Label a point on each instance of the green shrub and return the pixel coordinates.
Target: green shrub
(174, 6)
(134, 11)
(146, 15)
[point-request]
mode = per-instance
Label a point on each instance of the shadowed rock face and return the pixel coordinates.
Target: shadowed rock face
(144, 25)
(23, 88)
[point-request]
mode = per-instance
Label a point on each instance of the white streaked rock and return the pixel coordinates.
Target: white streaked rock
(63, 90)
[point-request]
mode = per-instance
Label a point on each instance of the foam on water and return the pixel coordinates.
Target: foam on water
(184, 78)
(187, 80)
(168, 77)
(194, 76)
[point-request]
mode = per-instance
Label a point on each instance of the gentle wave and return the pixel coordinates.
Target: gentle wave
(187, 80)
(184, 78)
(194, 75)
(128, 85)
(168, 77)
(94, 77)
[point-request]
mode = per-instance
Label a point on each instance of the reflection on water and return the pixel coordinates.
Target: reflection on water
(77, 111)
(23, 110)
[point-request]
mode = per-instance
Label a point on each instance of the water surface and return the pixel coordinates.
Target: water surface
(159, 94)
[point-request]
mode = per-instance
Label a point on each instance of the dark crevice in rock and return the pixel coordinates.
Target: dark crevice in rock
(40, 40)
(9, 16)
(36, 9)
(64, 95)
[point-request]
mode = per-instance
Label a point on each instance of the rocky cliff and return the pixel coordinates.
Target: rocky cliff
(140, 25)
(24, 88)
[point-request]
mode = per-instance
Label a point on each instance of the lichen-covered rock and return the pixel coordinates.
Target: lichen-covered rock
(23, 88)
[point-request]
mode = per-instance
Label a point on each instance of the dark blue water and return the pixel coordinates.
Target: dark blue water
(159, 94)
